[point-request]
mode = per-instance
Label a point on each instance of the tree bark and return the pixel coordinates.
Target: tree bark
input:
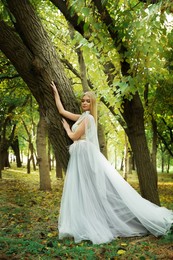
(31, 150)
(133, 114)
(130, 162)
(42, 155)
(32, 157)
(58, 167)
(125, 158)
(4, 146)
(35, 58)
(168, 163)
(154, 143)
(102, 140)
(82, 66)
(16, 149)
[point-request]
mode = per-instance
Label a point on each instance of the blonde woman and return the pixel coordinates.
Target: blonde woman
(97, 203)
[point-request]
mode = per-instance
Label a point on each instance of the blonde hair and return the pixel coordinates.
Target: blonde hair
(93, 103)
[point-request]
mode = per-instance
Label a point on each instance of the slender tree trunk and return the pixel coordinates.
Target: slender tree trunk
(6, 142)
(32, 157)
(122, 163)
(154, 143)
(6, 159)
(16, 149)
(130, 162)
(133, 163)
(28, 165)
(45, 182)
(49, 155)
(168, 163)
(115, 156)
(102, 140)
(82, 70)
(163, 162)
(58, 167)
(125, 158)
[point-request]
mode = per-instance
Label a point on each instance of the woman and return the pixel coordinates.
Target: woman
(97, 203)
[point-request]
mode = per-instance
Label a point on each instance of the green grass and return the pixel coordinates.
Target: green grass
(28, 224)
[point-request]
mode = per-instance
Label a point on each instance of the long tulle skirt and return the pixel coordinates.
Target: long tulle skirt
(99, 205)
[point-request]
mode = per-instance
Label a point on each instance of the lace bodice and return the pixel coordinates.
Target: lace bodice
(77, 123)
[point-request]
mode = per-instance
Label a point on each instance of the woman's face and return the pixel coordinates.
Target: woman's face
(86, 103)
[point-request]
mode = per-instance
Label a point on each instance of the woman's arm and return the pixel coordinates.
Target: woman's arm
(60, 107)
(78, 133)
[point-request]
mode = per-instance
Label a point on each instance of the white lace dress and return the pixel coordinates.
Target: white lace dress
(97, 203)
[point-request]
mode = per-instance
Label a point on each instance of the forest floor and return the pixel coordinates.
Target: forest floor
(28, 224)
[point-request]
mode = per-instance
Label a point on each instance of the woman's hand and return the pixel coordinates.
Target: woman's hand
(66, 125)
(60, 106)
(55, 91)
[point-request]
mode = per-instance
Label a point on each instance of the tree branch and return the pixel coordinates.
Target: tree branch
(165, 143)
(70, 16)
(106, 18)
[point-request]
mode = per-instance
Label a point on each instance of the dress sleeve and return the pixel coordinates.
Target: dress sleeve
(91, 130)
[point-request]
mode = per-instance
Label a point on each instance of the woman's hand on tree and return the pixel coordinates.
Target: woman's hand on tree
(65, 125)
(55, 91)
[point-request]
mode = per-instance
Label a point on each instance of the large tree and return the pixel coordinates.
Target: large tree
(34, 57)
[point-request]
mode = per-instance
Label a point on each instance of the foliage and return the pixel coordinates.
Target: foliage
(143, 30)
(17, 105)
(29, 224)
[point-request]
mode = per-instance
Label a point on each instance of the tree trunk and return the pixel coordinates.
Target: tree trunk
(49, 155)
(154, 143)
(28, 163)
(43, 162)
(35, 58)
(130, 162)
(125, 158)
(102, 140)
(122, 163)
(58, 167)
(168, 163)
(82, 70)
(6, 159)
(16, 149)
(5, 144)
(163, 162)
(133, 115)
(32, 157)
